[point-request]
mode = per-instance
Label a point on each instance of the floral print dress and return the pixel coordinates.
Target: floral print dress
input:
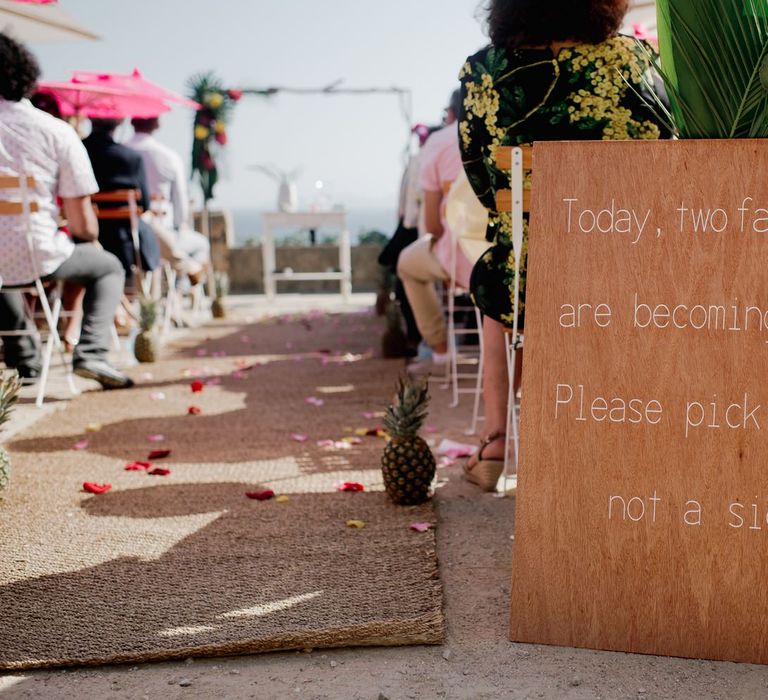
(509, 98)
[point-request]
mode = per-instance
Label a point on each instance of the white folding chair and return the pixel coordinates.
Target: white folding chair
(21, 204)
(465, 360)
(518, 160)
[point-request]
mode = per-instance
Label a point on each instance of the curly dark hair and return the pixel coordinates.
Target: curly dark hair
(528, 23)
(19, 70)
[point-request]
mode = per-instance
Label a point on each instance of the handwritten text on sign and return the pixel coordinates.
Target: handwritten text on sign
(645, 401)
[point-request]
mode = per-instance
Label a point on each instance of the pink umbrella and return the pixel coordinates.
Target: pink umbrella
(98, 102)
(134, 83)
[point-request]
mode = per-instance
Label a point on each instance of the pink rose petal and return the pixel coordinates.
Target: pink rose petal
(157, 437)
(314, 401)
(298, 437)
(81, 445)
(421, 527)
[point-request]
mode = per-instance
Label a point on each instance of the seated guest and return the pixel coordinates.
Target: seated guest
(49, 150)
(428, 260)
(188, 251)
(117, 167)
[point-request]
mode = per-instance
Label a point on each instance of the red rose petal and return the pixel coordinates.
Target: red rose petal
(194, 410)
(197, 386)
(159, 471)
(158, 454)
(350, 486)
(137, 466)
(92, 487)
(261, 495)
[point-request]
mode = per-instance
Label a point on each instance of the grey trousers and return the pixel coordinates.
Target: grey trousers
(102, 275)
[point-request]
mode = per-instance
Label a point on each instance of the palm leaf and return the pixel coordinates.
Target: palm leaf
(714, 55)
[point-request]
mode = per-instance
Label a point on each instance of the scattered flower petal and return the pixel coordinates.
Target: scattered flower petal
(245, 339)
(261, 495)
(373, 414)
(237, 374)
(159, 471)
(352, 440)
(356, 524)
(350, 486)
(214, 381)
(314, 401)
(421, 527)
(157, 437)
(158, 454)
(194, 410)
(282, 499)
(157, 396)
(202, 352)
(197, 386)
(453, 449)
(93, 427)
(218, 353)
(81, 445)
(430, 429)
(137, 466)
(147, 376)
(298, 437)
(92, 487)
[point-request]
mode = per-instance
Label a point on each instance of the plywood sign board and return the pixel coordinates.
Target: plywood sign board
(642, 514)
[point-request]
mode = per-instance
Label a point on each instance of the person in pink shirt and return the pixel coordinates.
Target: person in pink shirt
(431, 258)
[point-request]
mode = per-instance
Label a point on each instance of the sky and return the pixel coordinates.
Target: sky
(353, 144)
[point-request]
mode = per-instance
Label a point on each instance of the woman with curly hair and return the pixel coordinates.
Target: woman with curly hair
(555, 70)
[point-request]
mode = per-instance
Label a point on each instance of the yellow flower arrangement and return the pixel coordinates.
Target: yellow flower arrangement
(214, 100)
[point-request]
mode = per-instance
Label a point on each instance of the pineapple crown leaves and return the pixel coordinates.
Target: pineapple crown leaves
(147, 313)
(9, 393)
(221, 282)
(407, 414)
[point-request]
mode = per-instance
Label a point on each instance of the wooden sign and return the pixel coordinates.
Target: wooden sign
(642, 511)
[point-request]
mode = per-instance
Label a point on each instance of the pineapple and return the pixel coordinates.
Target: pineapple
(9, 391)
(146, 345)
(408, 465)
(221, 280)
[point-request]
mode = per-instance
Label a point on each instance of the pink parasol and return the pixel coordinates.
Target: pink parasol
(134, 83)
(98, 102)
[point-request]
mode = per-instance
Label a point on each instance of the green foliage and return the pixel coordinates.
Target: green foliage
(714, 62)
(373, 238)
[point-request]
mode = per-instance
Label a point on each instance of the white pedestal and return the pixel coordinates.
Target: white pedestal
(311, 220)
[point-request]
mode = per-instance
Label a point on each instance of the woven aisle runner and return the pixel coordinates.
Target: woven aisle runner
(168, 566)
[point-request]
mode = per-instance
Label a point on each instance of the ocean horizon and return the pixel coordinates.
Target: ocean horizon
(247, 223)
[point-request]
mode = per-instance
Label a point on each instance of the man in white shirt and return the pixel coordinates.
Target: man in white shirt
(188, 250)
(36, 144)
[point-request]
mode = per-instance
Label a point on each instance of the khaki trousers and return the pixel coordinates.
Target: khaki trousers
(418, 268)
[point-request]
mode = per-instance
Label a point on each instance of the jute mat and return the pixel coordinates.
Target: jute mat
(168, 566)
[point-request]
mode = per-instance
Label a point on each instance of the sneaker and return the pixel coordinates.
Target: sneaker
(28, 375)
(103, 373)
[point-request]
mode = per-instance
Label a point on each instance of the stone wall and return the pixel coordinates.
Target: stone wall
(246, 271)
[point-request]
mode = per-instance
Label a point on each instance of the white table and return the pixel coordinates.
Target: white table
(310, 220)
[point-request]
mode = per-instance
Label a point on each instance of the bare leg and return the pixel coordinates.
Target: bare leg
(495, 387)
